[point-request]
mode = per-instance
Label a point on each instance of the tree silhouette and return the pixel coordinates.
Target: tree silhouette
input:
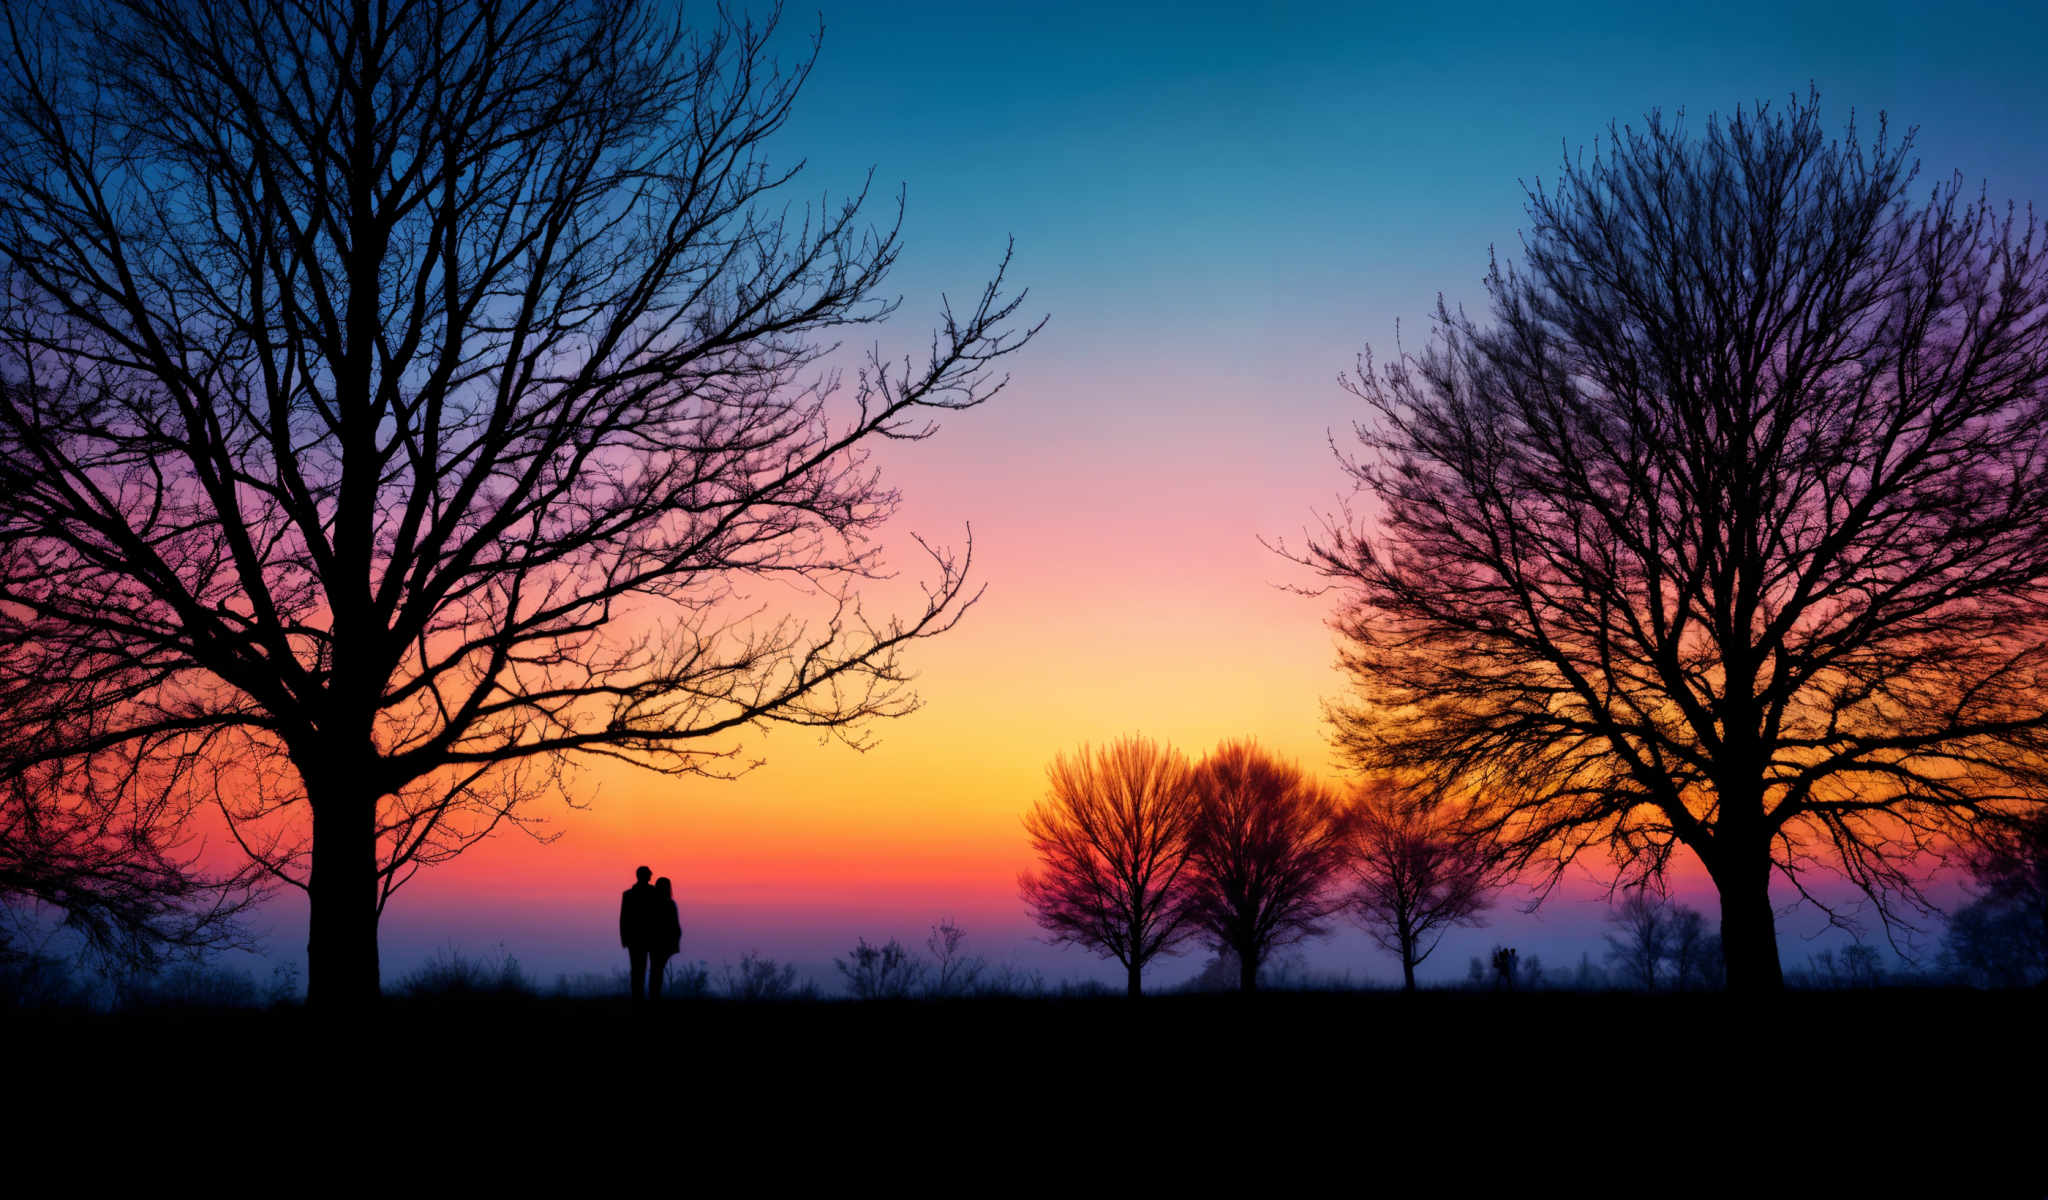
(2001, 936)
(1270, 847)
(953, 971)
(401, 401)
(1695, 952)
(2009, 861)
(884, 972)
(1418, 873)
(1725, 533)
(1112, 839)
(1644, 937)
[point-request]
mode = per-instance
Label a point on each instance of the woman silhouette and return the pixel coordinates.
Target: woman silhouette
(668, 934)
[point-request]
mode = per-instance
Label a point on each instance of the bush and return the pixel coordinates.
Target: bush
(30, 979)
(758, 978)
(679, 980)
(1008, 979)
(189, 985)
(450, 972)
(886, 972)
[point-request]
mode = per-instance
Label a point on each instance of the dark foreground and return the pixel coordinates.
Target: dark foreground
(1811, 1091)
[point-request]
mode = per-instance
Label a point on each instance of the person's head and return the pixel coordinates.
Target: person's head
(644, 874)
(663, 888)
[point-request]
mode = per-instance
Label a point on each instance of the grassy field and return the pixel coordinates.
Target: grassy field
(1890, 1085)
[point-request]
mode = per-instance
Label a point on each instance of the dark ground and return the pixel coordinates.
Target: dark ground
(1889, 1092)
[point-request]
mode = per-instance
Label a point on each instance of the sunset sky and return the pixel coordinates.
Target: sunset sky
(1219, 207)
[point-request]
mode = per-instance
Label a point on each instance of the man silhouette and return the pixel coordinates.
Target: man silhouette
(637, 928)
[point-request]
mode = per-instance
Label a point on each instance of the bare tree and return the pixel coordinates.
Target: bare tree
(1643, 938)
(1419, 873)
(2001, 936)
(2008, 860)
(1270, 848)
(408, 399)
(953, 972)
(1725, 533)
(1112, 839)
(885, 972)
(1695, 952)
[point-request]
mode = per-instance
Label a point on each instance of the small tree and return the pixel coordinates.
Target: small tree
(1642, 938)
(1112, 837)
(1270, 848)
(1695, 951)
(1862, 966)
(953, 973)
(2001, 937)
(1419, 874)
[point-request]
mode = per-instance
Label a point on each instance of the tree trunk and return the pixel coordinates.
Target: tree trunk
(1407, 973)
(341, 946)
(1749, 930)
(1131, 987)
(1247, 973)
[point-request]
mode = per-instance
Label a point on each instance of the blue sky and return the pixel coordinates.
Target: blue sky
(1220, 206)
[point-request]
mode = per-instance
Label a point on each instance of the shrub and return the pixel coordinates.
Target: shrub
(886, 972)
(759, 978)
(450, 972)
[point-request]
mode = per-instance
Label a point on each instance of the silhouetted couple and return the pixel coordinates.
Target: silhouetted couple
(651, 931)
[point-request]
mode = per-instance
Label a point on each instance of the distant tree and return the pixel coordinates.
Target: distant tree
(31, 978)
(1993, 945)
(1270, 848)
(1824, 969)
(1642, 938)
(885, 972)
(1695, 951)
(1862, 965)
(1009, 979)
(952, 972)
(2001, 937)
(403, 402)
(1112, 837)
(2008, 859)
(1220, 973)
(1418, 873)
(1724, 535)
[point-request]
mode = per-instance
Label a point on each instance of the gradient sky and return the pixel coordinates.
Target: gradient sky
(1219, 207)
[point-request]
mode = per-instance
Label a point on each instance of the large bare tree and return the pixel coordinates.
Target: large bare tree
(1725, 532)
(1112, 838)
(402, 399)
